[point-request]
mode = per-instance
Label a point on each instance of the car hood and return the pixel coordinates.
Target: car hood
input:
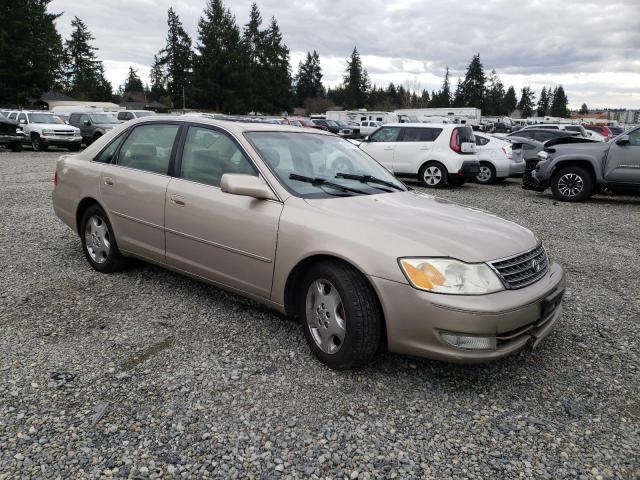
(106, 125)
(54, 126)
(416, 224)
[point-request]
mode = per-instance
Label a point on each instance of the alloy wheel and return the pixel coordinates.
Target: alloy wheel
(432, 175)
(570, 184)
(97, 239)
(325, 316)
(484, 175)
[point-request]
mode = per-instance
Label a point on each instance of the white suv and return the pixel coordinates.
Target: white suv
(438, 154)
(43, 129)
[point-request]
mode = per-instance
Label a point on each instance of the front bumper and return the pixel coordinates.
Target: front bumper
(7, 139)
(415, 319)
(56, 141)
(469, 169)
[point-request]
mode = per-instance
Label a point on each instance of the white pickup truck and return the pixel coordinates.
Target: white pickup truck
(44, 129)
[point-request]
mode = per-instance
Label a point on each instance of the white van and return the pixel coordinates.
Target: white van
(437, 154)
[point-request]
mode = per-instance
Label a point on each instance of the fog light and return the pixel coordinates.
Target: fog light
(469, 342)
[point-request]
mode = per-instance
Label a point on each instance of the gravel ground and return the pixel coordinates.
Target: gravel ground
(149, 374)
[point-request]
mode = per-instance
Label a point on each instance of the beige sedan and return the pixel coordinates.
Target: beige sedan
(305, 222)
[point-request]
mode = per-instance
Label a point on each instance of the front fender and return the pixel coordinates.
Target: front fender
(560, 161)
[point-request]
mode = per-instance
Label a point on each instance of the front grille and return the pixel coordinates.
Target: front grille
(524, 269)
(63, 133)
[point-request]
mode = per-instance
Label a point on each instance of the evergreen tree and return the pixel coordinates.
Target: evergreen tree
(157, 77)
(254, 45)
(473, 86)
(584, 110)
(442, 99)
(510, 102)
(527, 102)
(559, 103)
(176, 59)
(392, 96)
(458, 96)
(425, 99)
(84, 72)
(494, 101)
(543, 103)
(133, 82)
(308, 80)
(279, 92)
(218, 74)
(31, 51)
(356, 82)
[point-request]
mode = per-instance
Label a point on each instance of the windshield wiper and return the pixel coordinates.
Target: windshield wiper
(323, 182)
(367, 179)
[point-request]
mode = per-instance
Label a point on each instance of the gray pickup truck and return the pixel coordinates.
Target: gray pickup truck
(574, 171)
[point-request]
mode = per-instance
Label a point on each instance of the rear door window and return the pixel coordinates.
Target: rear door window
(148, 148)
(420, 134)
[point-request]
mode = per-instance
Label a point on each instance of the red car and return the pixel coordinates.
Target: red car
(601, 129)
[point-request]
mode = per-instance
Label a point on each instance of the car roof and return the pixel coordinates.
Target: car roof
(424, 125)
(233, 126)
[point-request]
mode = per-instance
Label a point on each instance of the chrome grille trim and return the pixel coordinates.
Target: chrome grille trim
(518, 272)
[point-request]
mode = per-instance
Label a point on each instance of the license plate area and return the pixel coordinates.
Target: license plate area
(550, 303)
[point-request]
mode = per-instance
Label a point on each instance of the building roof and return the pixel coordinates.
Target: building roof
(55, 95)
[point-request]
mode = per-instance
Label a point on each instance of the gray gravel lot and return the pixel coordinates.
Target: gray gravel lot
(149, 374)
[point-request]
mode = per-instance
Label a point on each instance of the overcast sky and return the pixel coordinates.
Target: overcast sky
(591, 47)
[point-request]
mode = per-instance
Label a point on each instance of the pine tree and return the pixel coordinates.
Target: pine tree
(442, 99)
(133, 82)
(356, 82)
(279, 92)
(458, 96)
(254, 45)
(392, 96)
(473, 86)
(527, 102)
(543, 103)
(176, 59)
(308, 80)
(559, 103)
(425, 99)
(84, 72)
(218, 75)
(584, 110)
(510, 102)
(157, 77)
(494, 101)
(31, 51)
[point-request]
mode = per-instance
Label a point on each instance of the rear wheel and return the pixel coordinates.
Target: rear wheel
(487, 174)
(342, 318)
(433, 175)
(572, 184)
(99, 242)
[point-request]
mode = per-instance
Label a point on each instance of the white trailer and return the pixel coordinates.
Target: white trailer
(361, 116)
(464, 116)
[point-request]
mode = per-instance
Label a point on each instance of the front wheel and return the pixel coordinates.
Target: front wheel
(99, 242)
(433, 175)
(16, 147)
(342, 318)
(36, 144)
(487, 174)
(572, 184)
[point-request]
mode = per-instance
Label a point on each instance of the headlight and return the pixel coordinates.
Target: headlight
(542, 155)
(445, 275)
(47, 132)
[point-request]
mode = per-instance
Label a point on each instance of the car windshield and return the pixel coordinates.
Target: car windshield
(331, 123)
(325, 159)
(144, 114)
(44, 118)
(102, 118)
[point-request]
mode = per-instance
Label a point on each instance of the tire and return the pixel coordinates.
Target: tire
(572, 184)
(96, 137)
(16, 147)
(74, 148)
(36, 143)
(342, 165)
(337, 301)
(487, 174)
(102, 253)
(433, 175)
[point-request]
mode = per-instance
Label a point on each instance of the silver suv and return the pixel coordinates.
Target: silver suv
(93, 125)
(44, 129)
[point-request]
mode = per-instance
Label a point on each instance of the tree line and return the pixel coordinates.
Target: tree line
(228, 68)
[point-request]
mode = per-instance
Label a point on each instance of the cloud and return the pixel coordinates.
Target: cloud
(592, 48)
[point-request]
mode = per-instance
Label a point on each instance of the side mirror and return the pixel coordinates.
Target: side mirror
(367, 139)
(246, 185)
(22, 121)
(623, 140)
(87, 123)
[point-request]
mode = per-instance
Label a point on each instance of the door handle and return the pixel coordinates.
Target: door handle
(177, 200)
(425, 148)
(108, 181)
(388, 148)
